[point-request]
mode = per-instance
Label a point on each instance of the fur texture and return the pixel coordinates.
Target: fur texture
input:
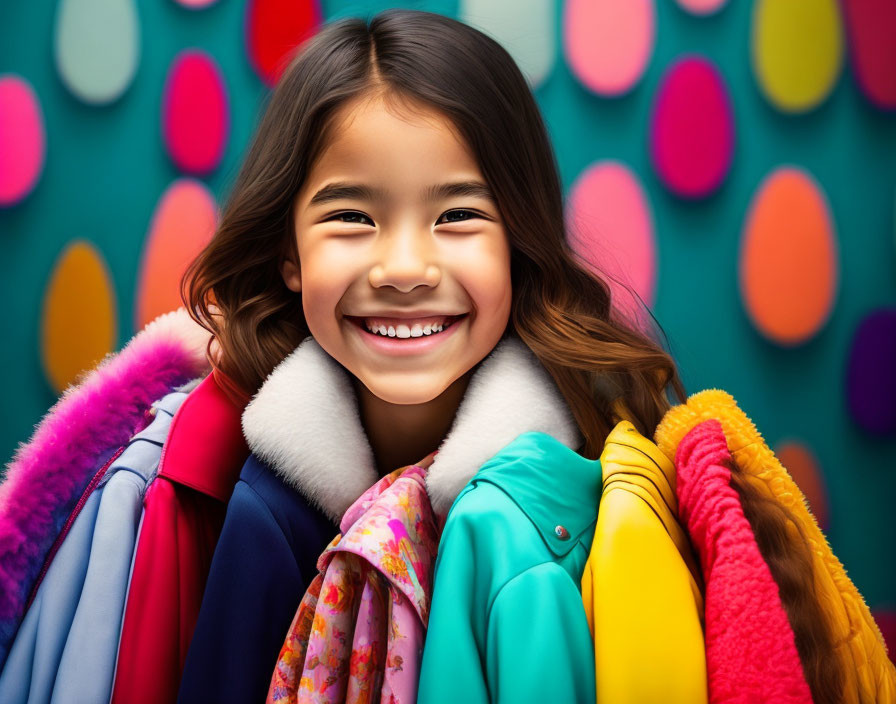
(90, 421)
(304, 423)
(751, 651)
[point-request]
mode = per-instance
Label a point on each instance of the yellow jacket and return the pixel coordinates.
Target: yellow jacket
(868, 673)
(641, 586)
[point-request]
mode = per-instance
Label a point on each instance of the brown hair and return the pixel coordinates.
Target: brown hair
(787, 552)
(561, 310)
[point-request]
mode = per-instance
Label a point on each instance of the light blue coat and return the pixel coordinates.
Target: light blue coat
(65, 648)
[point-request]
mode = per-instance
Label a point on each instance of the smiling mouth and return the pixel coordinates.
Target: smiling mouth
(401, 331)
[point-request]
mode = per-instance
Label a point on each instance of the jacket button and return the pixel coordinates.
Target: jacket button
(561, 533)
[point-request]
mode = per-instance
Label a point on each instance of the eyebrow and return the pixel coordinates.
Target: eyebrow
(339, 190)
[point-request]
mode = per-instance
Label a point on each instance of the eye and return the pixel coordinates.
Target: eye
(471, 213)
(350, 214)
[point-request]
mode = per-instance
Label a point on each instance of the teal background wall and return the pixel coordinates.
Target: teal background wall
(106, 168)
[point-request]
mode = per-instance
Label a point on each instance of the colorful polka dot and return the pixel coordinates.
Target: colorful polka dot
(610, 226)
(871, 373)
(183, 223)
(797, 51)
(802, 465)
(701, 7)
(885, 618)
(195, 113)
(97, 47)
(871, 26)
(608, 43)
(692, 128)
(22, 139)
(525, 31)
(789, 258)
(274, 31)
(79, 315)
(196, 4)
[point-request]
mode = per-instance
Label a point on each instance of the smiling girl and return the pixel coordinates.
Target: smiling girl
(391, 285)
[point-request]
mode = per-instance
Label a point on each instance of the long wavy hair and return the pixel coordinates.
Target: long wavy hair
(561, 309)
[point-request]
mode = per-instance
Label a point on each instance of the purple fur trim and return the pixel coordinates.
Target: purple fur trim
(91, 420)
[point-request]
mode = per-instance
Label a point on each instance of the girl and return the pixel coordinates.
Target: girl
(390, 280)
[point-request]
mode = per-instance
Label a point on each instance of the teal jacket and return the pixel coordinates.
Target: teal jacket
(507, 623)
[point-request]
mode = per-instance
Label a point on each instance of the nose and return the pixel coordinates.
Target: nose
(404, 260)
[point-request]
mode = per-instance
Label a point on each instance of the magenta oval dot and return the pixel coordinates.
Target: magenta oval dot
(610, 227)
(196, 4)
(885, 618)
(195, 113)
(608, 43)
(692, 128)
(871, 29)
(22, 139)
(871, 373)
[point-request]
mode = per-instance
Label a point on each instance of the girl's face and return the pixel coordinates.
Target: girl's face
(396, 229)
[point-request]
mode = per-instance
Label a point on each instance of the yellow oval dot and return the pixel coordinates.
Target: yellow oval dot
(797, 50)
(79, 315)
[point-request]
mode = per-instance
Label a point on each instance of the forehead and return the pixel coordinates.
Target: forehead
(386, 136)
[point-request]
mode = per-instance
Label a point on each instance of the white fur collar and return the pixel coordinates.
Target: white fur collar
(304, 423)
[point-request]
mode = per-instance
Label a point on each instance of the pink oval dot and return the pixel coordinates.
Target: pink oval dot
(274, 30)
(608, 42)
(195, 113)
(871, 28)
(702, 7)
(803, 467)
(22, 139)
(196, 4)
(692, 128)
(610, 226)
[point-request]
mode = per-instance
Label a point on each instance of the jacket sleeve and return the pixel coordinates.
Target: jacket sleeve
(254, 587)
(538, 644)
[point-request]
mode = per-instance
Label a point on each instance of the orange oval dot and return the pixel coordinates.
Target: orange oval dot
(788, 258)
(183, 223)
(803, 467)
(79, 315)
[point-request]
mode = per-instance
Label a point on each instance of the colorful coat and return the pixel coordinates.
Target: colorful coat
(867, 672)
(310, 462)
(358, 633)
(642, 585)
(507, 622)
(52, 475)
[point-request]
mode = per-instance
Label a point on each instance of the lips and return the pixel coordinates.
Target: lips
(394, 322)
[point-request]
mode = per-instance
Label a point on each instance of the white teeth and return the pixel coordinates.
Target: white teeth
(404, 331)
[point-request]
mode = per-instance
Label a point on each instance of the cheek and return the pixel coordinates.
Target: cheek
(485, 274)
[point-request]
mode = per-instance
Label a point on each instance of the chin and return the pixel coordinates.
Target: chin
(410, 397)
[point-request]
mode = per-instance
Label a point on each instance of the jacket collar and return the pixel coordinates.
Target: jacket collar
(205, 449)
(304, 423)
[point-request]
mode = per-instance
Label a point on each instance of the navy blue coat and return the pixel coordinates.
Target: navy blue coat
(263, 563)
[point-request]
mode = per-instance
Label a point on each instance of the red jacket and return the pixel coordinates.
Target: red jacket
(183, 514)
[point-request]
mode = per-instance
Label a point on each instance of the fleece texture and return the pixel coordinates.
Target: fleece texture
(751, 653)
(304, 423)
(90, 422)
(867, 672)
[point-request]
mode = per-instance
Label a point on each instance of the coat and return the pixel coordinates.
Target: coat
(69, 637)
(182, 516)
(507, 622)
(868, 673)
(642, 585)
(310, 454)
(53, 474)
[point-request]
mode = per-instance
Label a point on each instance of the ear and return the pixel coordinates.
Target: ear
(292, 275)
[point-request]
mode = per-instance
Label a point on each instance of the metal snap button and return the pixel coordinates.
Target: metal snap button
(561, 533)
